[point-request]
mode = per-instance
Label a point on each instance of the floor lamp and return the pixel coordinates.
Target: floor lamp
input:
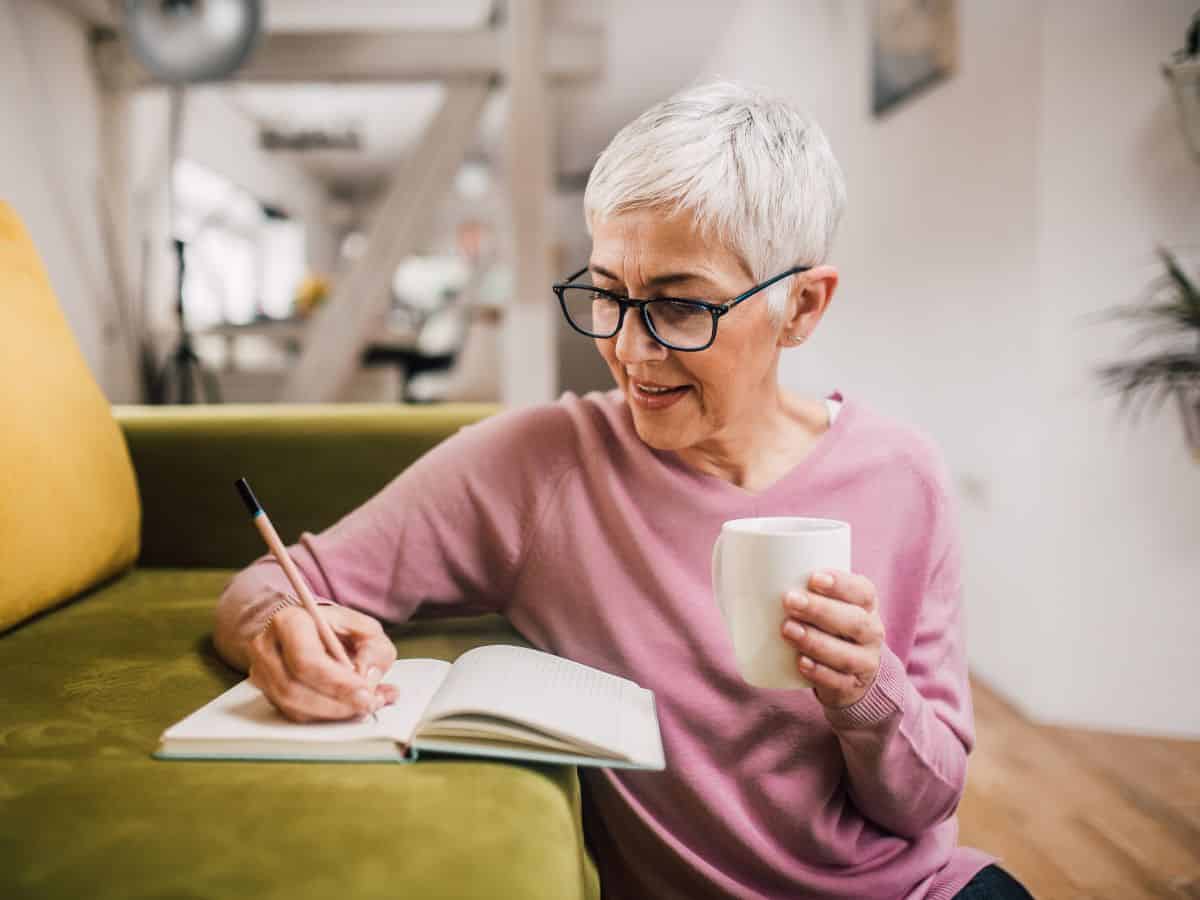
(185, 42)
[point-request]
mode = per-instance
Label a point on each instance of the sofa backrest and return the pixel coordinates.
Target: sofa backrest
(69, 514)
(309, 465)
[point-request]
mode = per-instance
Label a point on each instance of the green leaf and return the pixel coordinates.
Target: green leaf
(1169, 312)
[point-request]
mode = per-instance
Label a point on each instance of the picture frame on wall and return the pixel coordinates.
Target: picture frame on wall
(914, 46)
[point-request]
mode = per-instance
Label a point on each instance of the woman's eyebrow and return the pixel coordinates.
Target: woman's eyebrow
(667, 278)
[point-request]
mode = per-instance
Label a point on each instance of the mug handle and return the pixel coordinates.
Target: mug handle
(716, 577)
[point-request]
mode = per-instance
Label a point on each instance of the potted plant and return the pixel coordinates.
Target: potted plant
(1170, 311)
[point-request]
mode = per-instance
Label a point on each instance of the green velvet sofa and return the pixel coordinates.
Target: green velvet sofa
(88, 687)
(118, 531)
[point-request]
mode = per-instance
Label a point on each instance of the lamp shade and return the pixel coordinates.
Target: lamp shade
(192, 40)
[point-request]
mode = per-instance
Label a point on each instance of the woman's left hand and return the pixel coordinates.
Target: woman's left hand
(838, 634)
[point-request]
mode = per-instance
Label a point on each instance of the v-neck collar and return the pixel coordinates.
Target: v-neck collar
(823, 446)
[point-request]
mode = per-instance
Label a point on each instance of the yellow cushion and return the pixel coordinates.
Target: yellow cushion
(69, 514)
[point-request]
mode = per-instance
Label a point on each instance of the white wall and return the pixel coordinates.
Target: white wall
(984, 217)
(49, 160)
(50, 165)
(1123, 507)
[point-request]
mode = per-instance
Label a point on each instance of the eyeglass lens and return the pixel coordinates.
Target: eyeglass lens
(679, 324)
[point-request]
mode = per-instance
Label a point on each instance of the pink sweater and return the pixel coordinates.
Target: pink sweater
(596, 547)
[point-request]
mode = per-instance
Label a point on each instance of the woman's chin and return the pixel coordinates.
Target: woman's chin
(659, 431)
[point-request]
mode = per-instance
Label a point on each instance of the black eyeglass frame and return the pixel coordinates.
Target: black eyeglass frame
(716, 310)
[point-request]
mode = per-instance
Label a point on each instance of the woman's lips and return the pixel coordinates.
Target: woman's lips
(649, 395)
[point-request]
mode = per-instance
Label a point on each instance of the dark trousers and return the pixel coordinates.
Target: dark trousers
(993, 883)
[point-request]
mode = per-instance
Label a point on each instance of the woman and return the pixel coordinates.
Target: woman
(589, 524)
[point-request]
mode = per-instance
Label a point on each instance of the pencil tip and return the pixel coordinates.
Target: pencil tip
(248, 497)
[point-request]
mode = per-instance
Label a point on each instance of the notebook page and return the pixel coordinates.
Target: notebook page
(559, 696)
(416, 681)
(243, 713)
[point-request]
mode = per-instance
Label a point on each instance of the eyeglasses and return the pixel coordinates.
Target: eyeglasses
(676, 323)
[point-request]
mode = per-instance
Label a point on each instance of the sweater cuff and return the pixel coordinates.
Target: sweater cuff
(883, 699)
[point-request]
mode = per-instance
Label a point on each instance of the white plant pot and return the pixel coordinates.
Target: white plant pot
(1189, 411)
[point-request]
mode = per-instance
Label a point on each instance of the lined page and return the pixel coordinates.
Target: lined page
(556, 695)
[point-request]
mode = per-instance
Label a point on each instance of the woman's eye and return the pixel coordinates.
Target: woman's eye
(676, 312)
(604, 293)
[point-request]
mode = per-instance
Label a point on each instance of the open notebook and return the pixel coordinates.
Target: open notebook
(501, 701)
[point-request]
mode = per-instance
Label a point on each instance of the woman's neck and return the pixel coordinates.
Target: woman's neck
(756, 453)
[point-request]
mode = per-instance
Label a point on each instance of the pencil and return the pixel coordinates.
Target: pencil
(332, 645)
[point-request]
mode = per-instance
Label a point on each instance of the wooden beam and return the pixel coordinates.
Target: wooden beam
(529, 361)
(362, 297)
(117, 230)
(290, 57)
(94, 13)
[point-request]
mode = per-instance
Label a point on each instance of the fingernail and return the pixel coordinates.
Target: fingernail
(822, 580)
(372, 676)
(794, 630)
(362, 698)
(805, 662)
(795, 599)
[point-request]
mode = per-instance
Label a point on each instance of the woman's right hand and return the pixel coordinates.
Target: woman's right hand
(290, 665)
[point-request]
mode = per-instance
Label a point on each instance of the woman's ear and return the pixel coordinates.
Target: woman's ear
(809, 296)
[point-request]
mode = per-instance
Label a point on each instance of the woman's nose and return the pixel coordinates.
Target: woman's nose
(634, 341)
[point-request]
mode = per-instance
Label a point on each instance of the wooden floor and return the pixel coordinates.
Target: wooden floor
(1081, 814)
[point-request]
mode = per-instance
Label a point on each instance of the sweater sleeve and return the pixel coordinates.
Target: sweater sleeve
(444, 537)
(905, 742)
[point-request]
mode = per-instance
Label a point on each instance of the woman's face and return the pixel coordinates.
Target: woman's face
(715, 392)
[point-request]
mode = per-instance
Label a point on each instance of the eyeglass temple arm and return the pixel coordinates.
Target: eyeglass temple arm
(571, 278)
(795, 270)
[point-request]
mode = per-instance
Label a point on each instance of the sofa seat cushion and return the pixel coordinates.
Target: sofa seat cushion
(88, 813)
(69, 515)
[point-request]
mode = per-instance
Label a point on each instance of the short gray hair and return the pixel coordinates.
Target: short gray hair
(755, 172)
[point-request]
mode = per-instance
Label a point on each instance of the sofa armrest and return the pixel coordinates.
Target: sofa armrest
(309, 465)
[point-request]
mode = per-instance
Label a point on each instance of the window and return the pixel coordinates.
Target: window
(243, 261)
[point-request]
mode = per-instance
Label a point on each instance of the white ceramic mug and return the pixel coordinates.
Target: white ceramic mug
(754, 563)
